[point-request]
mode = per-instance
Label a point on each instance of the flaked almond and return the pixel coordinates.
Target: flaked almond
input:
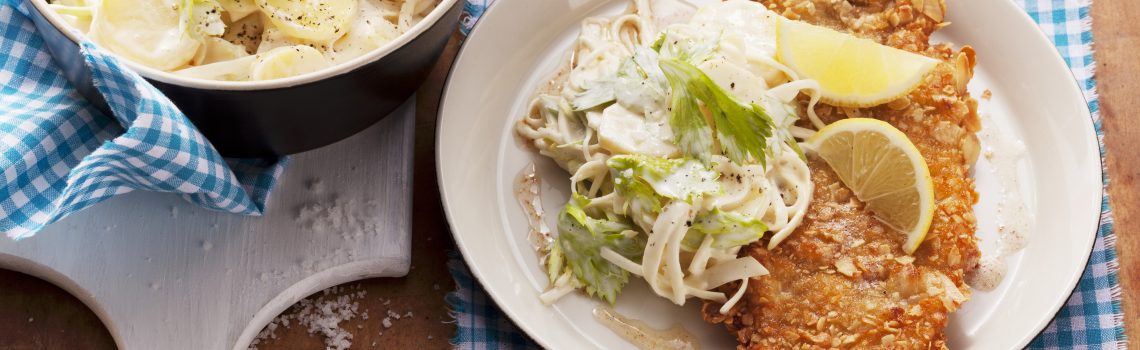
(899, 104)
(971, 148)
(935, 9)
(844, 266)
(902, 15)
(963, 71)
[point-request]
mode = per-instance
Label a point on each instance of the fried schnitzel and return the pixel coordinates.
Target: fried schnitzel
(842, 279)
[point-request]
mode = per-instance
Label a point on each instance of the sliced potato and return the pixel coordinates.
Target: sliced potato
(216, 50)
(288, 61)
(237, 9)
(317, 21)
(145, 31)
(366, 32)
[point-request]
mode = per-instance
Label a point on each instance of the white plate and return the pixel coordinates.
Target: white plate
(519, 42)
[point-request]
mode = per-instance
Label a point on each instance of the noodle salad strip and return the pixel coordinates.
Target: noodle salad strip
(681, 148)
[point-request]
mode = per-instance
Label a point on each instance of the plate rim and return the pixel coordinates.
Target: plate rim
(1057, 59)
(1090, 124)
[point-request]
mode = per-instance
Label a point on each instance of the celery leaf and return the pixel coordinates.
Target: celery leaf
(728, 229)
(580, 240)
(742, 128)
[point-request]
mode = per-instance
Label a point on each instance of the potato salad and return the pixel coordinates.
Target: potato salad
(242, 40)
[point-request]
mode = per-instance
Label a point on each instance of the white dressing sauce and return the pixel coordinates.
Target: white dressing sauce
(528, 192)
(644, 336)
(747, 32)
(1014, 221)
(667, 12)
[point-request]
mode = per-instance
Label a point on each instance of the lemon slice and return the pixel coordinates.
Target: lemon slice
(852, 72)
(318, 21)
(146, 31)
(288, 61)
(884, 170)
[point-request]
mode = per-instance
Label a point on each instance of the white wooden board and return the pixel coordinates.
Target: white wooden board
(162, 273)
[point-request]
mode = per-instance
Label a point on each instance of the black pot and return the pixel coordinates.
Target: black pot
(285, 116)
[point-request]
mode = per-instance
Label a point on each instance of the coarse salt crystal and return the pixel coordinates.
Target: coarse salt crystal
(348, 218)
(321, 316)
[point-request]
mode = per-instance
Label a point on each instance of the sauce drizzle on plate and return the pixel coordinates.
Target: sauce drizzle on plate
(1014, 220)
(529, 194)
(644, 336)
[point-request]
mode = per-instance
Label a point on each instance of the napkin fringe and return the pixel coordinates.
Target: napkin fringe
(1086, 24)
(1090, 91)
(456, 306)
(1118, 315)
(1113, 267)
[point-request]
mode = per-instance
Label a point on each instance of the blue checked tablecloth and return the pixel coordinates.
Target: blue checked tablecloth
(59, 154)
(1092, 317)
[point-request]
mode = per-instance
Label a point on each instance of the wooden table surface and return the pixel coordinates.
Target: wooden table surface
(36, 315)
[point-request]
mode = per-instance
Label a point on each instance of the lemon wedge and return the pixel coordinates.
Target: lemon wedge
(146, 31)
(884, 170)
(852, 72)
(317, 21)
(288, 61)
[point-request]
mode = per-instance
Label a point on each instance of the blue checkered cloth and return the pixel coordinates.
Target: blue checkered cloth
(479, 324)
(1092, 317)
(59, 154)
